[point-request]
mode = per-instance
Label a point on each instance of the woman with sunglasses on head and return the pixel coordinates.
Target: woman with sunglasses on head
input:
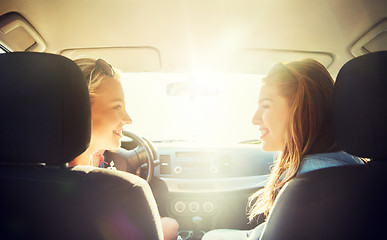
(294, 116)
(108, 119)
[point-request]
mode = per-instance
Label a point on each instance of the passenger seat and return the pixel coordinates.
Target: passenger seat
(347, 202)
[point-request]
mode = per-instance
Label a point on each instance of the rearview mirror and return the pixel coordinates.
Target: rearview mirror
(191, 89)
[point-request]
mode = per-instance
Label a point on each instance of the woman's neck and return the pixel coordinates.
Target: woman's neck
(86, 158)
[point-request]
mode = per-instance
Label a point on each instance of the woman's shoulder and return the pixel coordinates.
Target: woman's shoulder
(323, 160)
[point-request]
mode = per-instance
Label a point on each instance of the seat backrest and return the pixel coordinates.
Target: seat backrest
(360, 106)
(348, 202)
(45, 123)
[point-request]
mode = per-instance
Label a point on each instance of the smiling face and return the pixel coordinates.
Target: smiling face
(272, 117)
(108, 115)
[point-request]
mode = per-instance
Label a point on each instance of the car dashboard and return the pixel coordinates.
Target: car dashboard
(209, 183)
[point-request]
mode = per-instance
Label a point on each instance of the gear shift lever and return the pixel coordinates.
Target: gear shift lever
(197, 225)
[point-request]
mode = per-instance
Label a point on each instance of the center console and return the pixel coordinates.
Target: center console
(208, 188)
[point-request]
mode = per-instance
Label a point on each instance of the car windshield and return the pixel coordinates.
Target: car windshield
(192, 108)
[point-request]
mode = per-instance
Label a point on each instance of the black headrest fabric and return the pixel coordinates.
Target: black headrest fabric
(45, 109)
(360, 106)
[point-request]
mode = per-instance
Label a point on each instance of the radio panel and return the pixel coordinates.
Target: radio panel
(212, 162)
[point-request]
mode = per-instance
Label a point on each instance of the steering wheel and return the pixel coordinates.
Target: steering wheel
(137, 156)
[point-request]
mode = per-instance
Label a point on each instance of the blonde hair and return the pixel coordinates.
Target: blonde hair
(93, 77)
(309, 88)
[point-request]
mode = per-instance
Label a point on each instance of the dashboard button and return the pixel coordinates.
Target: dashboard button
(214, 170)
(208, 206)
(194, 207)
(179, 206)
(178, 170)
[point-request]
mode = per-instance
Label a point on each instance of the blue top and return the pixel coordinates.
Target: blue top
(324, 160)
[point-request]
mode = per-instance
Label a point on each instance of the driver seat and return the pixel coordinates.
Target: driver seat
(45, 123)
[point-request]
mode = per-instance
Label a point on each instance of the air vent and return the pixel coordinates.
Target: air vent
(165, 166)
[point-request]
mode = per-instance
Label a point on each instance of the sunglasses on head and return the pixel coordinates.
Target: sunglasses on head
(104, 67)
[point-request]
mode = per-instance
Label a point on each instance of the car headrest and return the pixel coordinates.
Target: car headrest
(45, 109)
(360, 106)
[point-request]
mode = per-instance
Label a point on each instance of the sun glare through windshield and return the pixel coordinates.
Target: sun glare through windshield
(173, 107)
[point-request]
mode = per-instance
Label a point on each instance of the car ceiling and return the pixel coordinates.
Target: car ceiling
(202, 31)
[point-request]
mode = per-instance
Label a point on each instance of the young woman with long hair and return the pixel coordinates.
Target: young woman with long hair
(294, 116)
(108, 116)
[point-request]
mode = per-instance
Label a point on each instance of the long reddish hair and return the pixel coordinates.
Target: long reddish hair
(308, 86)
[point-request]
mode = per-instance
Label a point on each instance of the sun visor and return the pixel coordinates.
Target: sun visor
(260, 61)
(126, 59)
(17, 34)
(373, 41)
